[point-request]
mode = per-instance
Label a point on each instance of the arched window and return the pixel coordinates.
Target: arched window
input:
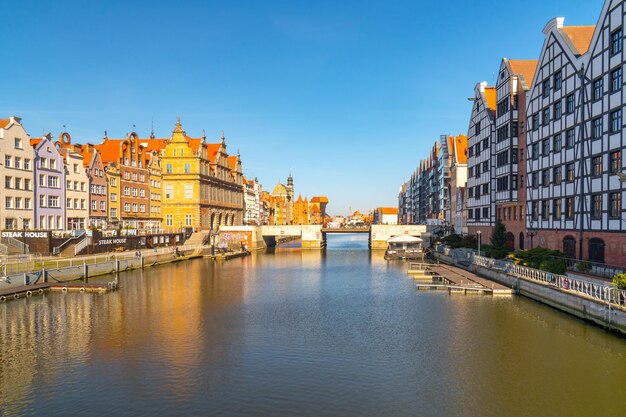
(521, 240)
(569, 246)
(596, 250)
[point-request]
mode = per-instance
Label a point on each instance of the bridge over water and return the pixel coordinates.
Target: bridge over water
(314, 236)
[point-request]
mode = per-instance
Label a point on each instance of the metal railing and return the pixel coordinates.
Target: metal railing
(604, 293)
(590, 267)
(58, 249)
(11, 241)
(81, 245)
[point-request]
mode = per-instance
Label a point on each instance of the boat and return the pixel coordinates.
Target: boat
(405, 247)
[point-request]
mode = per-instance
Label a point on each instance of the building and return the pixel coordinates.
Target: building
(317, 209)
(301, 211)
(125, 164)
(514, 80)
(92, 162)
(49, 184)
(252, 202)
(563, 156)
(76, 185)
(480, 137)
(458, 182)
(386, 215)
(17, 206)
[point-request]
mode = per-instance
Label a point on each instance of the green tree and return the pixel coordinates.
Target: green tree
(498, 238)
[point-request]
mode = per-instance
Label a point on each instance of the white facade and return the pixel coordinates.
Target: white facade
(480, 198)
(17, 159)
(252, 202)
(76, 191)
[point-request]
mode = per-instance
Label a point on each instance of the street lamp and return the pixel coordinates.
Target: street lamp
(23, 235)
(479, 233)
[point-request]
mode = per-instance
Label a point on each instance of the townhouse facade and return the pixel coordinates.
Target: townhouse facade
(49, 199)
(17, 157)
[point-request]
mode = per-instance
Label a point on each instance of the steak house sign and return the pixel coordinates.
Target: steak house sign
(30, 235)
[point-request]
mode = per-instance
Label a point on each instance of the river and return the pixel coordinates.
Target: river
(339, 332)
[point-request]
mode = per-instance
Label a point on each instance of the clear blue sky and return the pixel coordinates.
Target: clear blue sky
(348, 96)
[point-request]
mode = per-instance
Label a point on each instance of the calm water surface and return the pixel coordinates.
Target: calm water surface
(334, 333)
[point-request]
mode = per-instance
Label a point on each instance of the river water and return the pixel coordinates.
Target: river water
(301, 333)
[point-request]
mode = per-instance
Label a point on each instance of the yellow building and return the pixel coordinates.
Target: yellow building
(202, 186)
(113, 193)
(301, 211)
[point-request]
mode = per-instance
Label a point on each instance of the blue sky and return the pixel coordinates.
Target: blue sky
(347, 95)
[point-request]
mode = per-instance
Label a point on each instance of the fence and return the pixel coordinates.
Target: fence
(604, 293)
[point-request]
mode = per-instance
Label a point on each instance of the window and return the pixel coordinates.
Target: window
(27, 203)
(596, 206)
(535, 179)
(514, 156)
(569, 207)
(596, 128)
(113, 197)
(535, 210)
(142, 208)
(127, 207)
(142, 178)
(470, 193)
(470, 214)
(18, 143)
(558, 80)
(485, 166)
(615, 205)
(485, 188)
(7, 161)
(127, 191)
(188, 220)
(545, 177)
(169, 220)
(569, 104)
(486, 212)
(545, 209)
(477, 129)
(597, 89)
(8, 202)
(83, 203)
(53, 182)
(616, 162)
(18, 183)
(545, 114)
(168, 168)
(188, 191)
(557, 110)
(477, 214)
(94, 205)
(569, 138)
(8, 182)
(127, 175)
(545, 147)
(43, 163)
(68, 203)
(545, 88)
(18, 162)
(556, 143)
(169, 191)
(42, 201)
(134, 176)
(102, 205)
(114, 212)
(535, 151)
(502, 158)
(616, 80)
(514, 128)
(616, 42)
(113, 182)
(535, 121)
(142, 193)
(53, 201)
(187, 168)
(76, 168)
(556, 209)
(596, 166)
(569, 172)
(53, 163)
(135, 192)
(68, 184)
(616, 121)
(556, 175)
(27, 164)
(485, 143)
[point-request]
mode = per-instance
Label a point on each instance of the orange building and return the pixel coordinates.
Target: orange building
(301, 211)
(317, 209)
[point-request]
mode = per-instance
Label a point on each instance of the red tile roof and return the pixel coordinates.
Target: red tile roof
(4, 123)
(524, 68)
(580, 36)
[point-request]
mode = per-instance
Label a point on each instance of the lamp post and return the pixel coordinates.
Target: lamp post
(531, 233)
(23, 236)
(479, 233)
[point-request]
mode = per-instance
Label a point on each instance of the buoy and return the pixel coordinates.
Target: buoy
(82, 289)
(3, 299)
(29, 293)
(40, 291)
(16, 296)
(64, 289)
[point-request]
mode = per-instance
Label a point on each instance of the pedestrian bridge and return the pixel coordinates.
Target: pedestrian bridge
(313, 236)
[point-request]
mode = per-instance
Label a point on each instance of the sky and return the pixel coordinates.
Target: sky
(347, 96)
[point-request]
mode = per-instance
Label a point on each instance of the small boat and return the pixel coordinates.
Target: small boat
(404, 247)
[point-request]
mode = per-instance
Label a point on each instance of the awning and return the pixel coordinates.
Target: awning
(404, 239)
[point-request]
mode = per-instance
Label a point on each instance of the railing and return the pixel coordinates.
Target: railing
(11, 241)
(58, 249)
(593, 268)
(81, 245)
(604, 293)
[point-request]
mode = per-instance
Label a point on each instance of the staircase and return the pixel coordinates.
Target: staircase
(198, 238)
(12, 246)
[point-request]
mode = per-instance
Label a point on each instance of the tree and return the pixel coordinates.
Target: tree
(498, 238)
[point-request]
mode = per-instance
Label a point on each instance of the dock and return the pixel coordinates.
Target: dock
(454, 280)
(27, 291)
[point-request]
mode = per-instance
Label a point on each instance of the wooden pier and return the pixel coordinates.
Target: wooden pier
(27, 291)
(454, 280)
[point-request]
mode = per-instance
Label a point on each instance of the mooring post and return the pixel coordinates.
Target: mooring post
(26, 279)
(85, 272)
(44, 274)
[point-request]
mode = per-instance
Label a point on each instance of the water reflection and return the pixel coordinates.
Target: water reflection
(300, 332)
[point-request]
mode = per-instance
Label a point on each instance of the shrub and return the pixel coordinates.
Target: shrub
(469, 242)
(619, 281)
(453, 241)
(583, 266)
(541, 258)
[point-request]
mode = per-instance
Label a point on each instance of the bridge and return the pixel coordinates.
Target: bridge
(312, 236)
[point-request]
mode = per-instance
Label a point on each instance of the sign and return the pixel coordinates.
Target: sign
(20, 234)
(116, 241)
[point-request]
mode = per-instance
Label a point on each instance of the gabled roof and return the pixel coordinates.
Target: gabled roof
(319, 199)
(110, 150)
(580, 36)
(525, 69)
(212, 150)
(388, 210)
(490, 98)
(35, 141)
(232, 162)
(460, 149)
